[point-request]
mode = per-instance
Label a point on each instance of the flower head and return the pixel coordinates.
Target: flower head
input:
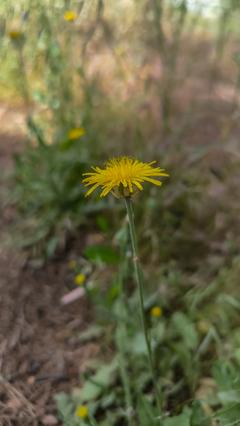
(15, 34)
(82, 411)
(70, 15)
(122, 176)
(79, 279)
(76, 133)
(156, 312)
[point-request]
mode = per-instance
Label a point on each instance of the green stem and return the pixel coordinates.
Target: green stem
(120, 340)
(139, 280)
(92, 421)
(24, 79)
(125, 382)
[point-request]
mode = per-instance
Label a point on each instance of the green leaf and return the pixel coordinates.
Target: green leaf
(101, 254)
(108, 400)
(184, 357)
(102, 223)
(36, 131)
(112, 296)
(158, 333)
(137, 345)
(66, 144)
(181, 420)
(186, 329)
(90, 391)
(198, 416)
(146, 412)
(229, 396)
(65, 407)
(229, 416)
(92, 332)
(98, 383)
(226, 375)
(51, 246)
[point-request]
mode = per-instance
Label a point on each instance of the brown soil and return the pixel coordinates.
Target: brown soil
(39, 350)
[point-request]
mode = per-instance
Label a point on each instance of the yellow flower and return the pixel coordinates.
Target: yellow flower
(156, 311)
(15, 34)
(79, 279)
(76, 133)
(122, 176)
(82, 411)
(70, 15)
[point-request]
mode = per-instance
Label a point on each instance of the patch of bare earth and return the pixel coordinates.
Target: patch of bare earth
(39, 350)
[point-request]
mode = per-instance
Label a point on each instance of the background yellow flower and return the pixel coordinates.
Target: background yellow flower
(156, 311)
(76, 133)
(82, 411)
(70, 15)
(80, 279)
(15, 34)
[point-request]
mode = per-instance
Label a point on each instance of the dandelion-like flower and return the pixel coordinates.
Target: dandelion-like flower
(123, 176)
(156, 311)
(76, 133)
(82, 411)
(15, 34)
(79, 279)
(70, 15)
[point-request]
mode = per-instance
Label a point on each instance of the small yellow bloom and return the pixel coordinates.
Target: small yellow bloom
(70, 15)
(72, 264)
(156, 311)
(76, 133)
(80, 279)
(122, 176)
(82, 411)
(15, 34)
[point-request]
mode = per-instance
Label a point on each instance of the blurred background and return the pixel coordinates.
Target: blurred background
(82, 81)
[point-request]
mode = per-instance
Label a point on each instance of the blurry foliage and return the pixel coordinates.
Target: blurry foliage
(48, 191)
(191, 342)
(86, 74)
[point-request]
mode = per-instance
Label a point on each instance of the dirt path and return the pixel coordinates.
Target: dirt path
(39, 349)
